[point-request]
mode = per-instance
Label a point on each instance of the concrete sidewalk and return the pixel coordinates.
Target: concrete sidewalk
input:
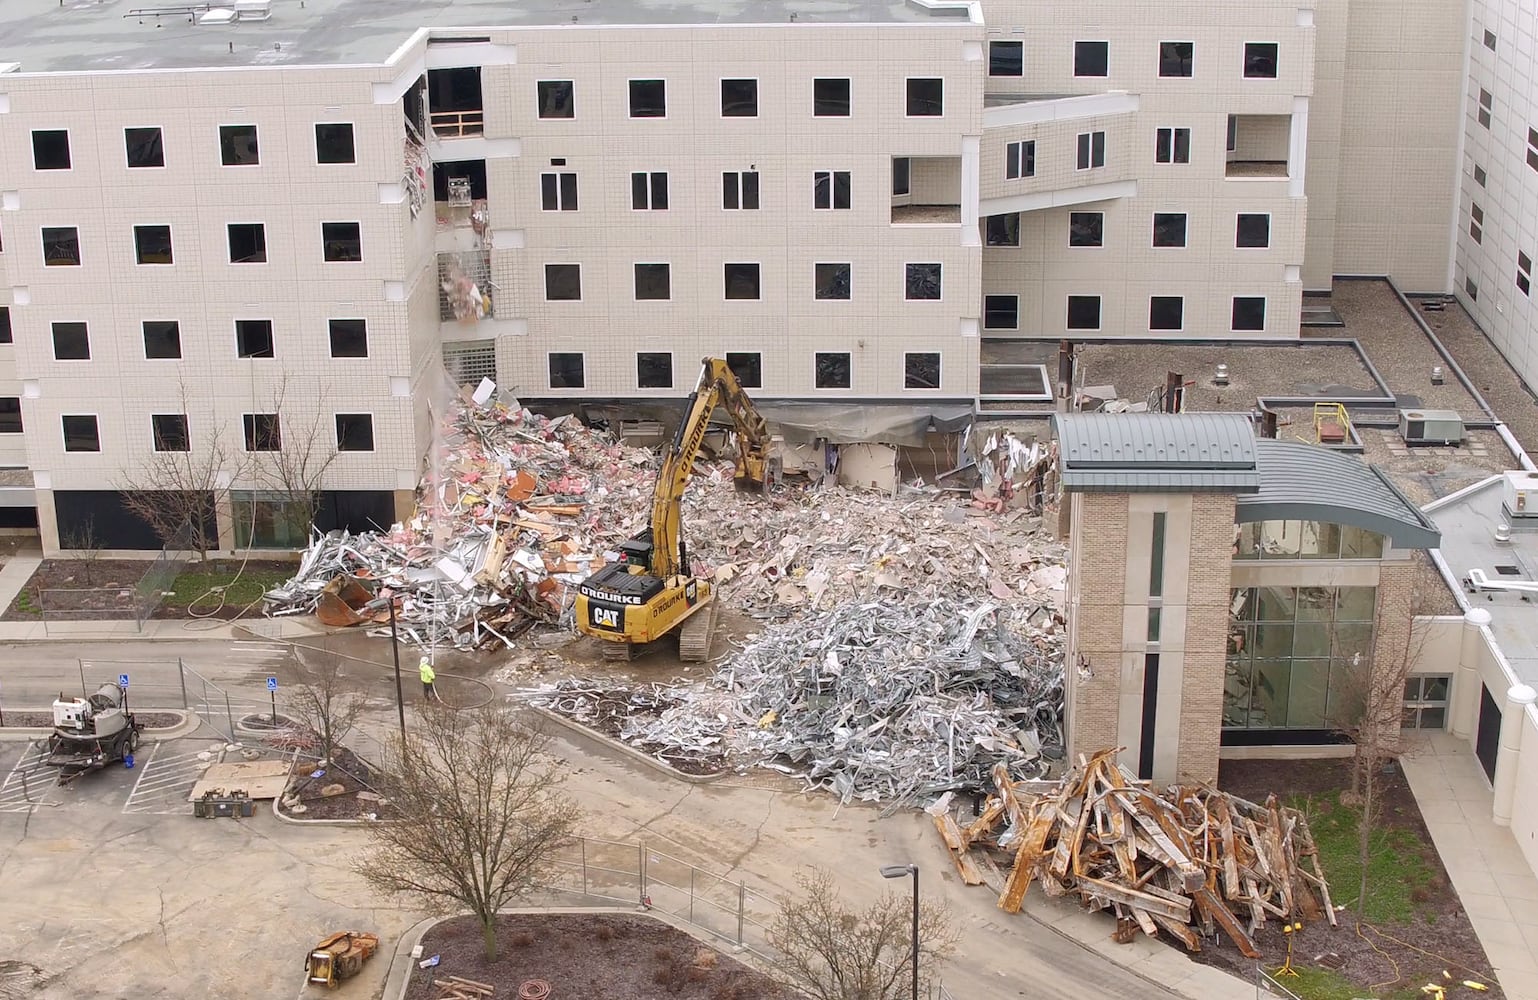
(157, 630)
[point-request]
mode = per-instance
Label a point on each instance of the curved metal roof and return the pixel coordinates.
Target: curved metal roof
(1306, 482)
(1156, 452)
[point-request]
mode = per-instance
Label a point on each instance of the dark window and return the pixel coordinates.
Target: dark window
(566, 371)
(263, 431)
(145, 147)
(1091, 151)
(1472, 288)
(649, 191)
(926, 97)
(334, 143)
(557, 99)
(1091, 58)
(80, 433)
(354, 432)
(1169, 229)
(739, 189)
(10, 415)
(648, 99)
(1524, 284)
(152, 244)
(1260, 60)
(237, 145)
(833, 370)
(563, 282)
(1086, 229)
(50, 149)
(742, 281)
(653, 282)
(1173, 145)
(1001, 312)
(1486, 104)
(921, 371)
(5, 324)
(343, 241)
(830, 97)
(1166, 312)
(1253, 229)
(162, 339)
(558, 192)
(1232, 142)
(1479, 175)
(61, 246)
(739, 98)
(830, 189)
(169, 431)
(902, 175)
(1004, 230)
(832, 281)
(1176, 58)
(1020, 159)
(1083, 312)
(349, 338)
(921, 282)
(1477, 222)
(71, 342)
(1524, 273)
(748, 367)
(653, 370)
(1489, 39)
(248, 243)
(1006, 58)
(1249, 312)
(253, 338)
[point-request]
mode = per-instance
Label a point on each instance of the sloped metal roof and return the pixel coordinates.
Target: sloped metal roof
(1156, 452)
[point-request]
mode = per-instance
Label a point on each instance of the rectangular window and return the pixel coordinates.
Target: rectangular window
(5, 324)
(1176, 58)
(342, 241)
(748, 367)
(1489, 39)
(653, 282)
(1169, 229)
(1001, 312)
(1232, 142)
(144, 147)
(902, 175)
(61, 246)
(922, 283)
(152, 244)
(1249, 312)
(558, 192)
(1480, 176)
(1172, 145)
(50, 149)
(248, 242)
(926, 97)
(268, 521)
(1477, 222)
(334, 143)
(1155, 620)
(169, 432)
(566, 370)
(1020, 159)
(1156, 560)
(654, 370)
(253, 338)
(741, 281)
(1486, 105)
(1524, 273)
(648, 191)
(237, 146)
(1006, 58)
(10, 415)
(1091, 150)
(648, 99)
(354, 432)
(71, 342)
(1532, 150)
(830, 97)
(921, 370)
(1004, 230)
(830, 189)
(739, 189)
(831, 281)
(1252, 230)
(263, 432)
(557, 98)
(739, 98)
(833, 370)
(1260, 60)
(1091, 58)
(162, 339)
(80, 433)
(1086, 229)
(563, 282)
(1471, 288)
(349, 338)
(1083, 312)
(1166, 312)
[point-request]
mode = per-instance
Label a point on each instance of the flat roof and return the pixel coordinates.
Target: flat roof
(45, 36)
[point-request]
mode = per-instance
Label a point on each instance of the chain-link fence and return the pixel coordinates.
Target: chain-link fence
(115, 608)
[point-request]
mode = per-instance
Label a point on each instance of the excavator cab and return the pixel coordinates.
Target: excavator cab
(637, 551)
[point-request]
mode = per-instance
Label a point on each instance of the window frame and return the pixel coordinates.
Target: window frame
(848, 96)
(649, 188)
(256, 135)
(909, 98)
(828, 180)
(144, 334)
(1178, 327)
(1099, 243)
(156, 438)
(67, 327)
(272, 340)
(740, 191)
(95, 419)
(849, 378)
(1106, 43)
(560, 191)
(539, 101)
(7, 334)
(635, 280)
(908, 295)
(352, 143)
(69, 151)
(229, 232)
(250, 435)
(331, 332)
(907, 377)
(757, 383)
(1016, 159)
(1239, 218)
(1276, 62)
(848, 267)
(758, 281)
(1019, 46)
(581, 357)
(1099, 301)
(630, 97)
(1174, 133)
(1233, 307)
(1185, 231)
(1086, 145)
(907, 176)
(672, 377)
(373, 440)
(548, 274)
(721, 94)
(5, 416)
(1187, 63)
(1014, 311)
(43, 232)
(160, 136)
(326, 241)
(139, 260)
(1007, 242)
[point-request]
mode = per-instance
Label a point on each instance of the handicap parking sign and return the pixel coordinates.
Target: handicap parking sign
(122, 681)
(272, 683)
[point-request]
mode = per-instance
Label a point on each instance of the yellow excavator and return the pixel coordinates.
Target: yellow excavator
(650, 593)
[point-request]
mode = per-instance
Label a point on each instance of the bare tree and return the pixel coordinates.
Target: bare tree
(480, 814)
(82, 540)
(830, 951)
(304, 450)
(328, 702)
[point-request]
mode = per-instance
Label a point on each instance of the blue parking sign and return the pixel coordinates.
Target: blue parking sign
(122, 681)
(272, 683)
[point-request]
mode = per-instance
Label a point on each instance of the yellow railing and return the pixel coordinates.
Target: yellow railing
(1333, 414)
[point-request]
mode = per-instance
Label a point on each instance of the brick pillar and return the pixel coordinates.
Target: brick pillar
(1206, 637)
(1096, 590)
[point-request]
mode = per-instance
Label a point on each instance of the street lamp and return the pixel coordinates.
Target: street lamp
(898, 871)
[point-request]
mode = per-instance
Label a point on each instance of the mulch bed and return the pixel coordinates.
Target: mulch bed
(1439, 926)
(589, 955)
(44, 720)
(104, 586)
(349, 771)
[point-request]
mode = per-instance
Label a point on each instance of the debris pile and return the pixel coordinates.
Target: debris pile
(1190, 860)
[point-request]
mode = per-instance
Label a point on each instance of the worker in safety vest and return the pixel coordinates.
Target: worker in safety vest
(425, 668)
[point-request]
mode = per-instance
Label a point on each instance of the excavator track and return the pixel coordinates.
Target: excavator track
(619, 652)
(694, 636)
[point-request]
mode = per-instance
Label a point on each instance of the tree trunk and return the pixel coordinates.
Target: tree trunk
(489, 936)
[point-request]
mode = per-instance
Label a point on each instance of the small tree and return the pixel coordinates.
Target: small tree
(830, 951)
(480, 814)
(82, 539)
(328, 702)
(296, 468)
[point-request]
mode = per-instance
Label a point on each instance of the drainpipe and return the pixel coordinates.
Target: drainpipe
(1460, 710)
(1518, 698)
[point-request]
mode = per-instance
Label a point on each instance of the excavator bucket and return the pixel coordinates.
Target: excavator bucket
(341, 601)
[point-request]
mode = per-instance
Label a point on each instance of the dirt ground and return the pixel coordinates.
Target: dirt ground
(346, 769)
(104, 586)
(591, 955)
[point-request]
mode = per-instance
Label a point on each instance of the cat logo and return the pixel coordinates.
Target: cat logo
(606, 618)
(691, 592)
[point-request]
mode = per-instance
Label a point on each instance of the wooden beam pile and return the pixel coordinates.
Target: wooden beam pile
(455, 988)
(1189, 860)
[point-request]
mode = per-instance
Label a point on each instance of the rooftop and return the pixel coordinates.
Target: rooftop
(51, 36)
(1157, 452)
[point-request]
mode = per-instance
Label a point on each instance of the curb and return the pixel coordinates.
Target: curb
(188, 725)
(360, 821)
(575, 728)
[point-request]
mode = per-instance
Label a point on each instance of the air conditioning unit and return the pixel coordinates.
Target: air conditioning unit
(1519, 495)
(1443, 427)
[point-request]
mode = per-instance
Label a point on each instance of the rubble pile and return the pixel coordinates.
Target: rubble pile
(1189, 860)
(697, 743)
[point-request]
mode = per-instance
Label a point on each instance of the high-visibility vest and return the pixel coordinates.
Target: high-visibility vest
(426, 669)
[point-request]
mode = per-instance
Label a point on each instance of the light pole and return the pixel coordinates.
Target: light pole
(898, 871)
(395, 652)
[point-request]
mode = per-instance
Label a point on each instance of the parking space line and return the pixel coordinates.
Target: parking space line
(165, 780)
(25, 786)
